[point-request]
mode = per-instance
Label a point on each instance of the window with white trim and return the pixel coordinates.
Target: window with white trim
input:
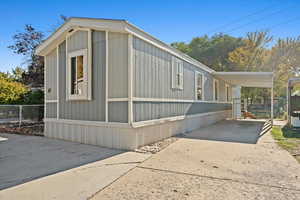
(177, 74)
(77, 75)
(199, 86)
(216, 90)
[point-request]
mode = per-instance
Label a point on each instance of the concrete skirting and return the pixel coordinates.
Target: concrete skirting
(129, 138)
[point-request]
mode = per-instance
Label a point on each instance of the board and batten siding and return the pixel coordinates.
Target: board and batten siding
(51, 110)
(92, 110)
(156, 110)
(152, 75)
(117, 76)
(117, 65)
(152, 69)
(51, 76)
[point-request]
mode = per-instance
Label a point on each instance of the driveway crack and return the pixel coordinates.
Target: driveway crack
(217, 178)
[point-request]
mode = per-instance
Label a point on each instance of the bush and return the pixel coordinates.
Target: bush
(34, 97)
(11, 92)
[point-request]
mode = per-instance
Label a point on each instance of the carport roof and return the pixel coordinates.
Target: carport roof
(247, 79)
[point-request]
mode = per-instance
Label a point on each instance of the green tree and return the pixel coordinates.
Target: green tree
(181, 46)
(211, 51)
(17, 74)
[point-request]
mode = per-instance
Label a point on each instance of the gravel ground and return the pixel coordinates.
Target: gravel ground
(157, 146)
(232, 162)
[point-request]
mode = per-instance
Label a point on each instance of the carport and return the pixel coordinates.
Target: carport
(248, 79)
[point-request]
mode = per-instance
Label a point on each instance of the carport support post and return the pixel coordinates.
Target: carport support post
(272, 101)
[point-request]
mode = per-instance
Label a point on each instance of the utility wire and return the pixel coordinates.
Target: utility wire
(257, 20)
(240, 19)
(284, 22)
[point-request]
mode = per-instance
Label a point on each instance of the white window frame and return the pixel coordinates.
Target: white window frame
(86, 72)
(197, 73)
(227, 93)
(177, 74)
(218, 90)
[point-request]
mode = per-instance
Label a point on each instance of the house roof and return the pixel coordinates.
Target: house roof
(247, 79)
(293, 81)
(114, 25)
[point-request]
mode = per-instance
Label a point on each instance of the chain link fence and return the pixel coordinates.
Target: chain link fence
(21, 115)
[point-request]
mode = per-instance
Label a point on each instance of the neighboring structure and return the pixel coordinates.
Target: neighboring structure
(293, 102)
(111, 84)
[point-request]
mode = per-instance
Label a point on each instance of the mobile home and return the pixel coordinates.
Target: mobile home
(111, 84)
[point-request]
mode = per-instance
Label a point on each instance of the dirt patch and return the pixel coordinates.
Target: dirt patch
(28, 129)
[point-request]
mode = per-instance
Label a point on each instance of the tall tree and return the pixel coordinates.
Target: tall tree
(211, 51)
(252, 55)
(25, 44)
(17, 74)
(285, 62)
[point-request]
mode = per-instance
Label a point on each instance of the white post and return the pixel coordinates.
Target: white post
(20, 115)
(106, 76)
(236, 95)
(130, 81)
(57, 81)
(272, 102)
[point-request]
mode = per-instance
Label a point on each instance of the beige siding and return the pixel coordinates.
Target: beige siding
(128, 138)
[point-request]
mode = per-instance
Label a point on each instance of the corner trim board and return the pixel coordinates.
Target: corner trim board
(57, 83)
(130, 81)
(106, 76)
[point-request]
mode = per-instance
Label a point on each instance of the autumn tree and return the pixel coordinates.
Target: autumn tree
(11, 92)
(285, 62)
(252, 55)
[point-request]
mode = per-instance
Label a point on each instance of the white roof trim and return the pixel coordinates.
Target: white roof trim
(244, 73)
(247, 79)
(293, 81)
(114, 26)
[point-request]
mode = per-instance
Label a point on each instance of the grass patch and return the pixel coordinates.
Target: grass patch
(288, 139)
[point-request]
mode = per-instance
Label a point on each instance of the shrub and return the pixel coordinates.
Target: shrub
(11, 92)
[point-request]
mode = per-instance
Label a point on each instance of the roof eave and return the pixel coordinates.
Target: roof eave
(110, 25)
(59, 35)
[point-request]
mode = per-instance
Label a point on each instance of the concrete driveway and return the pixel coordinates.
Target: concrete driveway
(228, 160)
(24, 158)
(33, 167)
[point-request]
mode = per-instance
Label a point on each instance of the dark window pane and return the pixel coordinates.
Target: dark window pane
(73, 75)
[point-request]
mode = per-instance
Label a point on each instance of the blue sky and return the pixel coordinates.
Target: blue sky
(168, 20)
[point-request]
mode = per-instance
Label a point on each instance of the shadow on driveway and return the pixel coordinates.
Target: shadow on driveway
(240, 131)
(24, 158)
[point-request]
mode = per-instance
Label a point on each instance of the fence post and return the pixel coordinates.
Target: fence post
(20, 115)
